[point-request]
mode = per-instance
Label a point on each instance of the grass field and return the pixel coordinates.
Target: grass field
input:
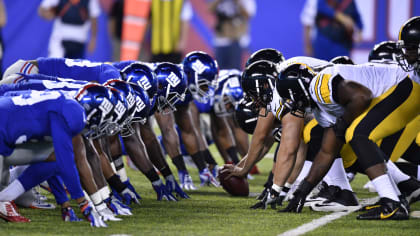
(210, 211)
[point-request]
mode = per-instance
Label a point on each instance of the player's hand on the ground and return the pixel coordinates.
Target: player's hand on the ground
(106, 213)
(92, 216)
(129, 196)
(117, 206)
(233, 170)
(173, 186)
(131, 187)
(186, 180)
(162, 193)
(272, 198)
(263, 193)
(296, 203)
(207, 178)
(68, 215)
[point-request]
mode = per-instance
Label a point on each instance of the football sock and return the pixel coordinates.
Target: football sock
(152, 176)
(208, 157)
(337, 175)
(305, 170)
(179, 163)
(199, 160)
(384, 187)
(396, 174)
(12, 191)
(115, 182)
(166, 171)
(232, 153)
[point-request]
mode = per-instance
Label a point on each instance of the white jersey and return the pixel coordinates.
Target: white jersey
(277, 105)
(377, 77)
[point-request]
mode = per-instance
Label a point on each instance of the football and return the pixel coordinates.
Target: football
(235, 186)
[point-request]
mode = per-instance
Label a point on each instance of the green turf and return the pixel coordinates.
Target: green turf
(210, 211)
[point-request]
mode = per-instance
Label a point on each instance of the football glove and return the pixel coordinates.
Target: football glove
(68, 215)
(162, 192)
(128, 184)
(263, 194)
(91, 215)
(207, 178)
(106, 213)
(272, 198)
(296, 203)
(129, 196)
(117, 206)
(186, 180)
(173, 186)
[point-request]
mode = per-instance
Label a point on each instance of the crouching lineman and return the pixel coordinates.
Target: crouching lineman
(60, 117)
(358, 105)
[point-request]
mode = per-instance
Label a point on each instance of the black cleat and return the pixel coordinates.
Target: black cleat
(411, 189)
(388, 210)
(344, 200)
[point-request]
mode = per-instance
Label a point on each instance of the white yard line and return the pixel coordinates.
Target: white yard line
(321, 221)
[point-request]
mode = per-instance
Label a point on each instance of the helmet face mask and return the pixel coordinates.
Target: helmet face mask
(293, 88)
(408, 45)
(258, 84)
(201, 71)
(99, 104)
(246, 117)
(172, 85)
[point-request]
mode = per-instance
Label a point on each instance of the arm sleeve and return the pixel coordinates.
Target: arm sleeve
(324, 8)
(63, 148)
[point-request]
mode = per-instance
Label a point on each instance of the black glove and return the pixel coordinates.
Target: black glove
(263, 194)
(273, 199)
(299, 197)
(296, 204)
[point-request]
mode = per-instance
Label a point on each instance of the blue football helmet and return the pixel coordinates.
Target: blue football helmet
(99, 104)
(228, 93)
(201, 70)
(142, 104)
(172, 85)
(141, 74)
(129, 98)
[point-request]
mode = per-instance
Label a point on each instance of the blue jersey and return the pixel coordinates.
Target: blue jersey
(37, 114)
(39, 84)
(33, 115)
(122, 64)
(77, 69)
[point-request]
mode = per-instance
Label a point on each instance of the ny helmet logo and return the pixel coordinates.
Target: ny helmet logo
(198, 66)
(173, 80)
(140, 105)
(144, 83)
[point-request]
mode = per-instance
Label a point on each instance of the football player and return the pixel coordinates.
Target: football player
(350, 103)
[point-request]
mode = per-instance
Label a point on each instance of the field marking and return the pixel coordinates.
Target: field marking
(316, 223)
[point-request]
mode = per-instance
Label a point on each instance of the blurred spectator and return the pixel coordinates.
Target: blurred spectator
(3, 18)
(330, 27)
(232, 24)
(115, 27)
(169, 28)
(73, 19)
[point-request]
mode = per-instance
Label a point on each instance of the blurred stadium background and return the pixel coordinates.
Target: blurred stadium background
(276, 24)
